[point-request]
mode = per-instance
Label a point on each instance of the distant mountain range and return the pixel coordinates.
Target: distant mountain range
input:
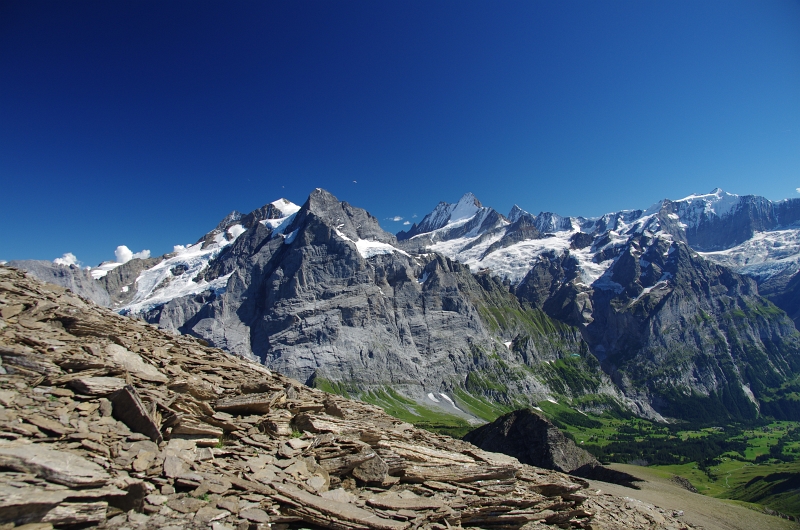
(682, 310)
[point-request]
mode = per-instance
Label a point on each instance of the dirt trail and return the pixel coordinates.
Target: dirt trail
(708, 512)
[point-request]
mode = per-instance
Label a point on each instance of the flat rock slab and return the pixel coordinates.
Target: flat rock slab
(247, 403)
(48, 425)
(134, 364)
(61, 467)
(459, 473)
(394, 502)
(186, 504)
(338, 510)
(97, 386)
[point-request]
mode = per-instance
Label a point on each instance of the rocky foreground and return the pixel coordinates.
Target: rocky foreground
(106, 421)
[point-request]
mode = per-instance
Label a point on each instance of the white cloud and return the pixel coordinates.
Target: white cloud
(67, 259)
(124, 254)
(407, 223)
(396, 218)
(414, 216)
(178, 248)
(797, 190)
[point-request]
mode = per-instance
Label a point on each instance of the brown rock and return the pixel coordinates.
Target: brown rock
(97, 386)
(61, 467)
(129, 409)
(186, 504)
(248, 403)
(373, 470)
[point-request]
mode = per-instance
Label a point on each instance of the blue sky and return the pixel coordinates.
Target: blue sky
(144, 123)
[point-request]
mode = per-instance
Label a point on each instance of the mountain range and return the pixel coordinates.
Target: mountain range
(682, 310)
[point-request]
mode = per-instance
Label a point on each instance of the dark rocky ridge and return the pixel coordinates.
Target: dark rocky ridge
(533, 439)
(673, 327)
(72, 277)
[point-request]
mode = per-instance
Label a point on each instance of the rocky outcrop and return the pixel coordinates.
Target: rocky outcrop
(108, 422)
(695, 336)
(532, 439)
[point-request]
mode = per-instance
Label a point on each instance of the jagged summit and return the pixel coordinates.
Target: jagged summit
(515, 213)
(445, 214)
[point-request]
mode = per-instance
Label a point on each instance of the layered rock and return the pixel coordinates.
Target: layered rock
(109, 422)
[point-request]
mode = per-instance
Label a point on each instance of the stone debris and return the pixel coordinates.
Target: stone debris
(109, 422)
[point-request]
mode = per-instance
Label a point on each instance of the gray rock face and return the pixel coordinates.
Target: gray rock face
(320, 303)
(673, 328)
(72, 277)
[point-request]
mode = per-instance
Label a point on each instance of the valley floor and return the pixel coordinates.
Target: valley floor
(700, 510)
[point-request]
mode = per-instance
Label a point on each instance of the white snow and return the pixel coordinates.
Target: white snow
(464, 209)
(125, 289)
(514, 262)
(551, 400)
(447, 398)
(236, 230)
(762, 256)
(286, 207)
(508, 344)
(279, 225)
(103, 269)
(368, 248)
(432, 397)
(289, 239)
(158, 285)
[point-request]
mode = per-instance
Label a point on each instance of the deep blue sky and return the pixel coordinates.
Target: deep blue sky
(144, 123)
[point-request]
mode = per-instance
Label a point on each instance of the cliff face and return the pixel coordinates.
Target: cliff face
(619, 305)
(329, 298)
(671, 328)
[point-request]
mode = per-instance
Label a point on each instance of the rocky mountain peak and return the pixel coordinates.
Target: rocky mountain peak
(515, 213)
(451, 216)
(342, 218)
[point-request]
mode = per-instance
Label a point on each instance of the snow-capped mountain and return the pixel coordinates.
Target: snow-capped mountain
(466, 218)
(640, 293)
(749, 234)
(322, 293)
